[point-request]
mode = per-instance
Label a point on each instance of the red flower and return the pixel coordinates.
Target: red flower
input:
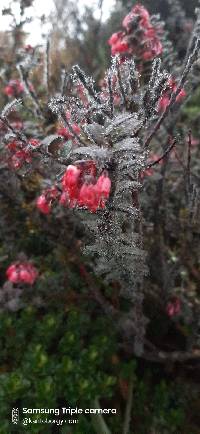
(148, 46)
(103, 186)
(29, 49)
(165, 98)
(14, 88)
(9, 91)
(93, 195)
(17, 125)
(163, 102)
(88, 197)
(138, 10)
(63, 131)
(181, 95)
(118, 43)
(19, 158)
(150, 170)
(22, 273)
(71, 177)
(12, 146)
(64, 199)
(114, 38)
(70, 183)
(173, 308)
(154, 50)
(34, 142)
(43, 205)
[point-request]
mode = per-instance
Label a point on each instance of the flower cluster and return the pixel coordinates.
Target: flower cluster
(165, 98)
(23, 272)
(80, 187)
(14, 88)
(140, 37)
(20, 152)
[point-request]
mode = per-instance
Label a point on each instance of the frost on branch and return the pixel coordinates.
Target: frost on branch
(109, 133)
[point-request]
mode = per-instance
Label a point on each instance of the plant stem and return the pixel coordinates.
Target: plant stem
(127, 420)
(98, 421)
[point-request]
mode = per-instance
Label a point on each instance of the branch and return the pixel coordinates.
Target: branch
(30, 91)
(174, 356)
(163, 155)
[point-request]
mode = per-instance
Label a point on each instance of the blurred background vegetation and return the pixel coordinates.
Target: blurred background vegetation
(58, 348)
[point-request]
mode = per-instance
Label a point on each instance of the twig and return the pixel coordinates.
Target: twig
(46, 66)
(174, 356)
(30, 91)
(189, 158)
(63, 81)
(111, 100)
(127, 421)
(196, 177)
(163, 155)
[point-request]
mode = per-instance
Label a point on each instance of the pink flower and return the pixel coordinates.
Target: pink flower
(163, 102)
(14, 88)
(43, 205)
(80, 187)
(165, 98)
(29, 49)
(154, 49)
(118, 43)
(103, 186)
(150, 171)
(34, 142)
(71, 177)
(12, 273)
(93, 196)
(88, 197)
(18, 125)
(138, 10)
(194, 141)
(64, 199)
(70, 183)
(63, 131)
(182, 94)
(114, 38)
(12, 146)
(19, 158)
(173, 308)
(172, 85)
(148, 46)
(22, 273)
(9, 91)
